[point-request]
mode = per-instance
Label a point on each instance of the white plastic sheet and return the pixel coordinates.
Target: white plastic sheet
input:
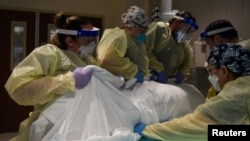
(98, 110)
(103, 112)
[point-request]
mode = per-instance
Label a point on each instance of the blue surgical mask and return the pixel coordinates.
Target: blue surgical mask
(141, 37)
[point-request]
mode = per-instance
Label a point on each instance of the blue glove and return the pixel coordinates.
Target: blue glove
(162, 77)
(139, 76)
(82, 76)
(139, 128)
(178, 78)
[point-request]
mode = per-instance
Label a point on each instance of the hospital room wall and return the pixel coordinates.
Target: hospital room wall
(109, 10)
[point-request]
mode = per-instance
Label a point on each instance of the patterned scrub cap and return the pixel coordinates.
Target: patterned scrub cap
(135, 17)
(216, 54)
(237, 60)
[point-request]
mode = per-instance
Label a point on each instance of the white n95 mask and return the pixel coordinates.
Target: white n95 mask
(88, 49)
(214, 81)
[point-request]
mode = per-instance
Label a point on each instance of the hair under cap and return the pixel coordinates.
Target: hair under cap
(135, 17)
(237, 59)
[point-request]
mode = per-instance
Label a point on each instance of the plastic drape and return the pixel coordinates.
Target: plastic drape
(102, 111)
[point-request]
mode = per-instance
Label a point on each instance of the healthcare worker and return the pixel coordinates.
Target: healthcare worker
(230, 106)
(219, 32)
(168, 44)
(52, 70)
(213, 66)
(122, 51)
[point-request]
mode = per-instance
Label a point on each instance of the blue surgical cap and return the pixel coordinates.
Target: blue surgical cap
(237, 60)
(216, 54)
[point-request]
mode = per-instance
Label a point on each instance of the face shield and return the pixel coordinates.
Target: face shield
(186, 33)
(90, 38)
(205, 35)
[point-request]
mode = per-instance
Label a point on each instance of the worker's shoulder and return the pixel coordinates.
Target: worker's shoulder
(159, 24)
(110, 30)
(114, 32)
(47, 49)
(158, 27)
(51, 46)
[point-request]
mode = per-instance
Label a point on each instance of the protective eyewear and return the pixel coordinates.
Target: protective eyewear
(205, 35)
(81, 32)
(187, 31)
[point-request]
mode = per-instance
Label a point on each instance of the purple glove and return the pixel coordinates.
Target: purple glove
(178, 77)
(162, 77)
(139, 128)
(82, 76)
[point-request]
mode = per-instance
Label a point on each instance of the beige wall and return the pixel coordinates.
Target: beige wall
(205, 11)
(110, 10)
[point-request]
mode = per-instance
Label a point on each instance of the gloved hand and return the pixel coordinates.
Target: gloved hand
(124, 84)
(82, 76)
(178, 77)
(139, 128)
(153, 75)
(139, 76)
(162, 77)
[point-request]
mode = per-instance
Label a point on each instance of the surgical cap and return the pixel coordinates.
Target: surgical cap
(135, 17)
(216, 54)
(237, 60)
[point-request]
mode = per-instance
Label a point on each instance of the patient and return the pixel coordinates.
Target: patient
(103, 111)
(233, 99)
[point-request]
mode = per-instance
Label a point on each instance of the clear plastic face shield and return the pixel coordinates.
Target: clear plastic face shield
(90, 38)
(186, 33)
(205, 35)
